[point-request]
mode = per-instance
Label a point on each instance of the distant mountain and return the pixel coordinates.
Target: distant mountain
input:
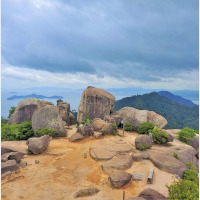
(176, 98)
(177, 115)
(34, 96)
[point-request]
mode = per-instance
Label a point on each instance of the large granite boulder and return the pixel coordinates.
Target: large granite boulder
(135, 117)
(107, 148)
(64, 109)
(38, 145)
(48, 116)
(95, 102)
(119, 162)
(142, 140)
(150, 194)
(10, 165)
(119, 178)
(25, 109)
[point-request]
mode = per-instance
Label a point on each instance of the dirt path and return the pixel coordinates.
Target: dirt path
(63, 170)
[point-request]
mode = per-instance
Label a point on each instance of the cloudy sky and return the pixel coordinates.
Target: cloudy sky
(109, 44)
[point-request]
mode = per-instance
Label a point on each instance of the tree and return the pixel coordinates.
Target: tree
(11, 111)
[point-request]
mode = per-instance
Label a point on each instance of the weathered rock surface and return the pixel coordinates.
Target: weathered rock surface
(86, 192)
(119, 162)
(76, 136)
(113, 119)
(100, 125)
(98, 134)
(49, 117)
(10, 165)
(139, 176)
(23, 164)
(25, 109)
(38, 145)
(150, 194)
(6, 150)
(135, 198)
(64, 109)
(119, 178)
(86, 129)
(135, 117)
(107, 148)
(195, 142)
(95, 102)
(72, 119)
(15, 156)
(167, 163)
(142, 140)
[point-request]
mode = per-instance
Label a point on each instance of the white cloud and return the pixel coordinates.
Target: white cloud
(18, 77)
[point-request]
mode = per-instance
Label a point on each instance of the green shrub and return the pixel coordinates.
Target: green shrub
(114, 126)
(11, 111)
(88, 118)
(47, 131)
(143, 147)
(29, 152)
(15, 131)
(186, 134)
(128, 127)
(114, 132)
(176, 156)
(186, 188)
(159, 136)
(3, 121)
(144, 127)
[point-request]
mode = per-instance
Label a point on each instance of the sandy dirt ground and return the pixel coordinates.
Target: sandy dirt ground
(63, 170)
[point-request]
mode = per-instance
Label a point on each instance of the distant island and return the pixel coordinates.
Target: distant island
(38, 96)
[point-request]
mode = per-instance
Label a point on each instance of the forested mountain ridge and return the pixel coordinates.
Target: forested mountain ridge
(177, 115)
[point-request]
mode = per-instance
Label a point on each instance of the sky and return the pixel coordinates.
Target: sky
(108, 44)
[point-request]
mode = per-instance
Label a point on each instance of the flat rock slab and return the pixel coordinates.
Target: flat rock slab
(13, 146)
(119, 162)
(139, 176)
(119, 179)
(106, 149)
(10, 165)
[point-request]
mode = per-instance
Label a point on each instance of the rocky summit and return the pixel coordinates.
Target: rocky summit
(95, 102)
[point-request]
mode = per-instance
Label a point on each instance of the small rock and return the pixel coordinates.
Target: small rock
(139, 176)
(16, 156)
(76, 136)
(23, 164)
(86, 192)
(142, 140)
(37, 161)
(17, 172)
(98, 134)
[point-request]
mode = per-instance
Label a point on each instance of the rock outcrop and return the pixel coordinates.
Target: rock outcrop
(72, 119)
(102, 126)
(106, 149)
(142, 140)
(38, 145)
(150, 194)
(95, 102)
(119, 178)
(49, 117)
(119, 162)
(25, 109)
(135, 117)
(195, 142)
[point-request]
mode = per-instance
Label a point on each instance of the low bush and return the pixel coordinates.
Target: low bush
(114, 126)
(145, 127)
(143, 147)
(88, 118)
(15, 131)
(3, 121)
(128, 127)
(186, 134)
(176, 156)
(159, 136)
(186, 188)
(47, 131)
(115, 132)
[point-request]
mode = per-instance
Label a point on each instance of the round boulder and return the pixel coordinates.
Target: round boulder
(150, 194)
(49, 117)
(142, 140)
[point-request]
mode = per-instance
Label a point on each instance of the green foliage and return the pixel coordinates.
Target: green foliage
(47, 131)
(177, 115)
(159, 136)
(29, 152)
(114, 132)
(186, 134)
(15, 131)
(186, 188)
(11, 111)
(3, 121)
(145, 127)
(88, 118)
(128, 127)
(104, 133)
(114, 126)
(143, 147)
(176, 156)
